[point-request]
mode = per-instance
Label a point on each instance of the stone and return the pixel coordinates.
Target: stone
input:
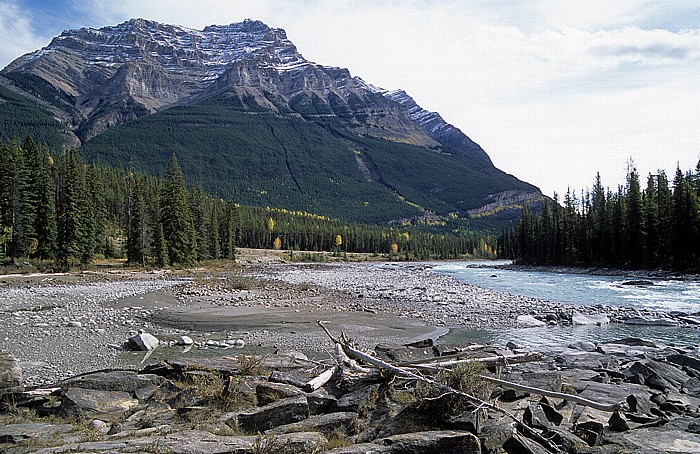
(281, 412)
(442, 441)
(321, 401)
(528, 321)
(584, 346)
(78, 402)
(684, 361)
(660, 375)
(325, 424)
(565, 439)
(288, 378)
(268, 392)
(357, 399)
(518, 443)
(639, 404)
(99, 426)
(471, 420)
(75, 324)
(17, 433)
(535, 417)
(494, 436)
(580, 319)
(10, 375)
(692, 387)
(184, 340)
(651, 321)
(116, 380)
(618, 422)
(143, 342)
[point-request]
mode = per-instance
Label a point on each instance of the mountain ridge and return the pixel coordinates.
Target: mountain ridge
(102, 80)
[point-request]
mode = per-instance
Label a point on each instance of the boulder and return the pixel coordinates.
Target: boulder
(584, 346)
(268, 392)
(618, 422)
(10, 375)
(580, 319)
(325, 424)
(143, 342)
(528, 321)
(17, 433)
(442, 441)
(281, 412)
(78, 402)
(651, 321)
(184, 340)
(660, 375)
(357, 399)
(114, 380)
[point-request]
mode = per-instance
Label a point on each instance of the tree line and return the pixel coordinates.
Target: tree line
(57, 208)
(655, 227)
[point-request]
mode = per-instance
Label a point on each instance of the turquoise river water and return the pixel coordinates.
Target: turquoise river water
(665, 294)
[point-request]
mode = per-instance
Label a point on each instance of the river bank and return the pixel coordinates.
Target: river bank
(62, 325)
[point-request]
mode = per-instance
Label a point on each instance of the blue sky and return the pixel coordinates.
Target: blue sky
(554, 91)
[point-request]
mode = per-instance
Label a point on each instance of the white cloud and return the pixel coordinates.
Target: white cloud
(16, 33)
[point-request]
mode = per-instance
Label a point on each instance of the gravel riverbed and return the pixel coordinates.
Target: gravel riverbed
(66, 325)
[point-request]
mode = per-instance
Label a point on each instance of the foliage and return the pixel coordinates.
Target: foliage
(284, 161)
(58, 207)
(633, 228)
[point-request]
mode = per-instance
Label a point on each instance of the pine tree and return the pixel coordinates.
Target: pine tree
(176, 217)
(136, 240)
(71, 211)
(635, 235)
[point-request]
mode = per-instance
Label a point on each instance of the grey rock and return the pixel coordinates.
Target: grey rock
(268, 392)
(184, 340)
(528, 321)
(143, 341)
(78, 402)
(321, 401)
(357, 399)
(651, 321)
(281, 412)
(534, 416)
(618, 422)
(17, 433)
(117, 380)
(325, 424)
(584, 346)
(10, 375)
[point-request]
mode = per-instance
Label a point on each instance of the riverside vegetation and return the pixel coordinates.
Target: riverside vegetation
(633, 228)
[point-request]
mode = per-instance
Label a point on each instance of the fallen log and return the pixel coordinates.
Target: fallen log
(320, 380)
(488, 361)
(556, 395)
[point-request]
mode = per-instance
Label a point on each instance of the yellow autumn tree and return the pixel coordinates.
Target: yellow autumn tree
(338, 240)
(278, 243)
(394, 248)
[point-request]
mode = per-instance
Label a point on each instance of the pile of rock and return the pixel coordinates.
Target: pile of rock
(272, 404)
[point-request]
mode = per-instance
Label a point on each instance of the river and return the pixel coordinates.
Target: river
(580, 289)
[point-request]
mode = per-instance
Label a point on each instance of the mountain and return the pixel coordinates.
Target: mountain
(249, 118)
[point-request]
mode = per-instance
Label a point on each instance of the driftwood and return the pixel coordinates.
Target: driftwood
(488, 361)
(401, 372)
(320, 380)
(556, 395)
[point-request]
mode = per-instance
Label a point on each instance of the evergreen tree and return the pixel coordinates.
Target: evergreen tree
(176, 217)
(71, 211)
(635, 235)
(137, 239)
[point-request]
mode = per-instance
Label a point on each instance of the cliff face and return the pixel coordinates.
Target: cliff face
(115, 74)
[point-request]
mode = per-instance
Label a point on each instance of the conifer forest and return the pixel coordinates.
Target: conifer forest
(657, 227)
(62, 211)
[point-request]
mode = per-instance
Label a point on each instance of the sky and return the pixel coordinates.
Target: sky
(554, 91)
